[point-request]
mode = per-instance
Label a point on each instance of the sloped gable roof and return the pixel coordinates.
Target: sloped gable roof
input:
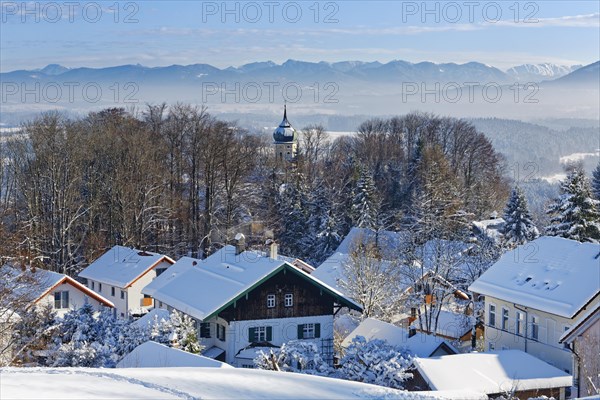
(38, 283)
(420, 344)
(551, 274)
(202, 288)
(122, 266)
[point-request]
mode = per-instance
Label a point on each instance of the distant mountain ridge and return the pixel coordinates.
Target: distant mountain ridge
(302, 70)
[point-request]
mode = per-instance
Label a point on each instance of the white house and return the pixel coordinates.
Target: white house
(42, 288)
(121, 273)
(245, 299)
(535, 293)
(64, 294)
(584, 339)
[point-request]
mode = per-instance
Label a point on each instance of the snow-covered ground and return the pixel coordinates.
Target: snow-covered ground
(182, 383)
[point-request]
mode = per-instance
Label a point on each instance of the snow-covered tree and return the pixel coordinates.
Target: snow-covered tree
(178, 330)
(82, 343)
(519, 228)
(596, 182)
(33, 332)
(575, 214)
(436, 200)
(185, 332)
(370, 280)
(365, 204)
(324, 226)
(294, 356)
(375, 362)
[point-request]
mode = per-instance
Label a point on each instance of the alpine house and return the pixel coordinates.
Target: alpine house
(246, 300)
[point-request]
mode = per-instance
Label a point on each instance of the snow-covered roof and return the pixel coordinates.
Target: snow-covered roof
(420, 344)
(491, 373)
(201, 288)
(156, 355)
(582, 324)
(34, 285)
(490, 228)
(122, 266)
(451, 324)
(158, 314)
(551, 274)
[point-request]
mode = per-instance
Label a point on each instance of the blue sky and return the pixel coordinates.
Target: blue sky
(157, 33)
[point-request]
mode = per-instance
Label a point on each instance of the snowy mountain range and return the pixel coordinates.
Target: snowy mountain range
(294, 70)
(341, 88)
(540, 72)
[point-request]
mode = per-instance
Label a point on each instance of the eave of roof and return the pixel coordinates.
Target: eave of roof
(581, 325)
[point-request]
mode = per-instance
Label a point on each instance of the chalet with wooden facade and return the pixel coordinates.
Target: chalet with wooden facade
(243, 300)
(121, 273)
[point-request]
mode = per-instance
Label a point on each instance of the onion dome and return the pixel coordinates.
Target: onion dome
(284, 132)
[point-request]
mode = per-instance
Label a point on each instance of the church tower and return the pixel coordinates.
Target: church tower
(286, 140)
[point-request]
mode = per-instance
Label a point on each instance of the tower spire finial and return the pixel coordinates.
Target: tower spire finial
(284, 109)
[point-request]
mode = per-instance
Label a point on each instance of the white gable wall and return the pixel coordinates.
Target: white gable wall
(133, 294)
(77, 298)
(551, 327)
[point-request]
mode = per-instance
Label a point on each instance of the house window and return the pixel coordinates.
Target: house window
(535, 327)
(160, 304)
(504, 319)
(122, 294)
(61, 300)
(93, 288)
(221, 332)
(289, 300)
(112, 291)
(309, 331)
(519, 324)
(492, 315)
(205, 330)
(491, 346)
(271, 301)
(99, 288)
(565, 344)
(260, 334)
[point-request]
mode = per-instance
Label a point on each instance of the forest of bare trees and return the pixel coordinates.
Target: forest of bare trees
(177, 180)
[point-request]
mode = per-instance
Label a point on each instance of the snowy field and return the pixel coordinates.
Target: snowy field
(181, 383)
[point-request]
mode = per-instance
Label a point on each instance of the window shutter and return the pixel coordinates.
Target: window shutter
(252, 335)
(300, 331)
(317, 331)
(269, 333)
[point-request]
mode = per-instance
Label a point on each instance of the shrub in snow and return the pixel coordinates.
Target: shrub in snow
(375, 362)
(294, 356)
